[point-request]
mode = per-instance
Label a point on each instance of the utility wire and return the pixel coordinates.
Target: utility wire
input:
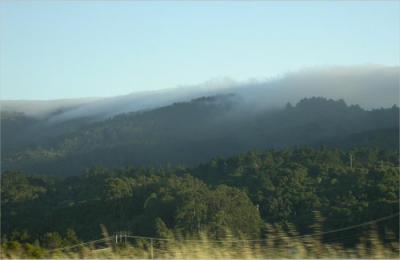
(354, 226)
(300, 236)
(237, 240)
(81, 244)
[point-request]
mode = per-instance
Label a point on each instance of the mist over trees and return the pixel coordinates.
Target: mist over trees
(370, 86)
(190, 133)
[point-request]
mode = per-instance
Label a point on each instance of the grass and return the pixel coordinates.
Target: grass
(279, 245)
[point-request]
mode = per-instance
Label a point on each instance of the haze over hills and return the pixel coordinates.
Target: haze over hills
(192, 132)
(190, 125)
(371, 86)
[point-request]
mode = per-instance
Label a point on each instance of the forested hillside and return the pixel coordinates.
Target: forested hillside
(242, 193)
(190, 133)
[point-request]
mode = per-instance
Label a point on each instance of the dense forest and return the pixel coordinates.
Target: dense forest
(243, 194)
(210, 166)
(189, 133)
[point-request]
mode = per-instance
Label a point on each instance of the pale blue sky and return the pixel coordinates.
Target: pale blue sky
(74, 49)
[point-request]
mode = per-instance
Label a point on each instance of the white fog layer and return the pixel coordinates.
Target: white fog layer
(370, 86)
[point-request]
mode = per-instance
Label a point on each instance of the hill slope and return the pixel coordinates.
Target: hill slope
(193, 132)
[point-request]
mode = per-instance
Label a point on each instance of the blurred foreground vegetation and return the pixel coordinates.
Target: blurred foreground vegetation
(279, 244)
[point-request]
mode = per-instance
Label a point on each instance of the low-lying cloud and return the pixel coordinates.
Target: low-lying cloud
(370, 87)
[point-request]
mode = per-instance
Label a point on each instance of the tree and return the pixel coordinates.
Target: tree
(52, 240)
(231, 209)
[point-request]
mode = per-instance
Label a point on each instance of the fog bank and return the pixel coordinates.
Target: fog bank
(370, 86)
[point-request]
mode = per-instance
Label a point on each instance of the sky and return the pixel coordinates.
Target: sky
(71, 49)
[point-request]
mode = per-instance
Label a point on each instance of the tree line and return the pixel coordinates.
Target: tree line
(243, 194)
(189, 133)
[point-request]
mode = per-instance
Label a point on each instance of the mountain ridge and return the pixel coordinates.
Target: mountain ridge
(189, 133)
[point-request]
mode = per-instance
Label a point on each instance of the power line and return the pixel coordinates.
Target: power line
(81, 244)
(301, 236)
(237, 240)
(355, 226)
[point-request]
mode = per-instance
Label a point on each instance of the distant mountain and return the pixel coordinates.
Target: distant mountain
(43, 108)
(370, 86)
(189, 133)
